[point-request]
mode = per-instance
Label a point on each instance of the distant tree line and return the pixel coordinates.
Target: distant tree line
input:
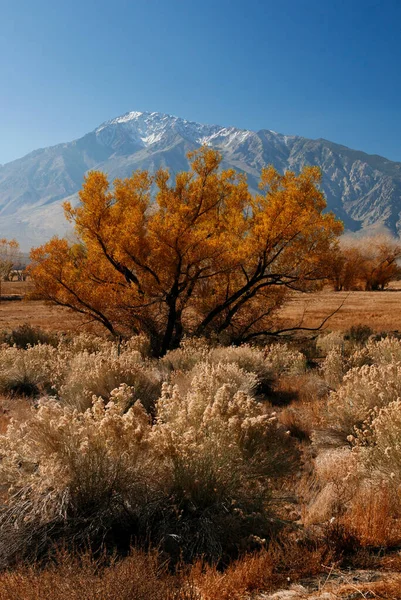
(12, 261)
(369, 263)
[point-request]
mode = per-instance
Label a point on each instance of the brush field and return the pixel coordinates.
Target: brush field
(213, 473)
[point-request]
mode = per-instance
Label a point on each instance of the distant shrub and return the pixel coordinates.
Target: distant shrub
(334, 368)
(26, 335)
(190, 352)
(327, 342)
(266, 363)
(358, 334)
(224, 452)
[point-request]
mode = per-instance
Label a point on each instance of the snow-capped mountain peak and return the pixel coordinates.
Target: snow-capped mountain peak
(361, 189)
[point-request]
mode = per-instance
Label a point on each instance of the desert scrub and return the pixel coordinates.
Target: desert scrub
(97, 374)
(74, 371)
(198, 477)
(210, 377)
(26, 335)
(325, 343)
(375, 352)
(75, 474)
(27, 372)
(363, 389)
(267, 363)
(377, 443)
(225, 452)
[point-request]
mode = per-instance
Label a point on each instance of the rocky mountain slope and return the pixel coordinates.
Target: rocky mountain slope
(361, 189)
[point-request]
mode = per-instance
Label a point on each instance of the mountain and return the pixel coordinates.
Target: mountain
(362, 189)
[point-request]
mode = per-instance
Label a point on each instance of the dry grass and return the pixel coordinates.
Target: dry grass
(373, 517)
(145, 576)
(379, 310)
(139, 577)
(388, 588)
(15, 313)
(16, 288)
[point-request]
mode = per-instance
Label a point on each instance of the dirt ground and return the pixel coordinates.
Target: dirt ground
(380, 310)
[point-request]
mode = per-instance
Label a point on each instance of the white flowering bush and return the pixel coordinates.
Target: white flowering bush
(224, 451)
(200, 472)
(210, 377)
(190, 352)
(363, 390)
(27, 372)
(76, 370)
(267, 363)
(76, 474)
(375, 352)
(377, 443)
(379, 352)
(99, 373)
(334, 367)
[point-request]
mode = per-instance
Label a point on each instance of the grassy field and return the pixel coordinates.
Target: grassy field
(380, 310)
(16, 312)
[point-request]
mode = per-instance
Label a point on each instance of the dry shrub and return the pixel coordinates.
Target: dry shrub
(294, 421)
(307, 411)
(141, 576)
(387, 589)
(286, 559)
(340, 359)
(224, 451)
(27, 372)
(327, 491)
(377, 446)
(374, 515)
(251, 573)
(326, 342)
(334, 368)
(75, 476)
(266, 363)
(75, 371)
(26, 335)
(197, 480)
(213, 376)
(99, 373)
(363, 389)
(190, 352)
(305, 389)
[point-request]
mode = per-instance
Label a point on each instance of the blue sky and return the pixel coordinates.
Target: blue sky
(328, 68)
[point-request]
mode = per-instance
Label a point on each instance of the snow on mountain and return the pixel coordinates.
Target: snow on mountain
(362, 189)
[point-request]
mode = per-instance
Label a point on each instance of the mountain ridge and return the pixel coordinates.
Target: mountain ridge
(362, 189)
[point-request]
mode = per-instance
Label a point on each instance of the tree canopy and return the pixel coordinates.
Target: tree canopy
(203, 258)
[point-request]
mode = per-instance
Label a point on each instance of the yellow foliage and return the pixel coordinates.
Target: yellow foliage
(206, 257)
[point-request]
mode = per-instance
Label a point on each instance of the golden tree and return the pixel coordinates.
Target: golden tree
(205, 258)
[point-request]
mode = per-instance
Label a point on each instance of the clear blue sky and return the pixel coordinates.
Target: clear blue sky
(317, 68)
